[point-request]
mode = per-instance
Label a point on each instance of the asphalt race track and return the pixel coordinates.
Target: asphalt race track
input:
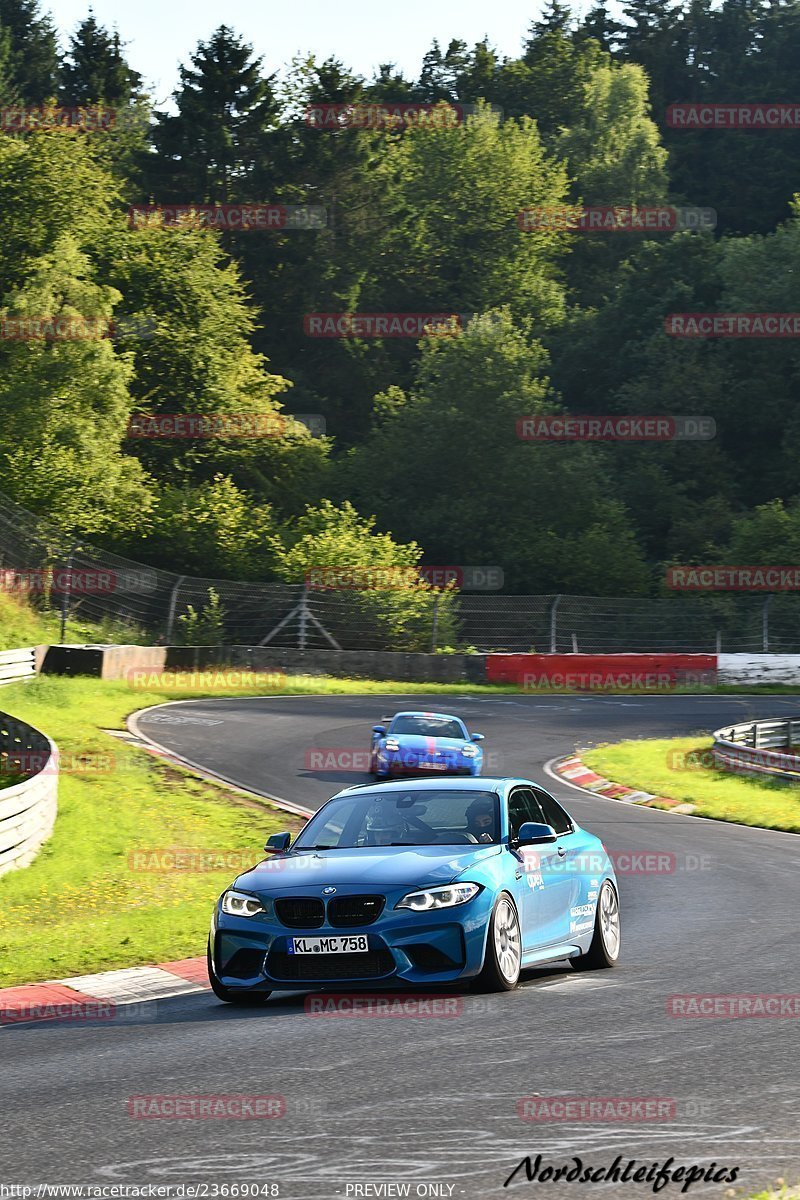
(430, 1105)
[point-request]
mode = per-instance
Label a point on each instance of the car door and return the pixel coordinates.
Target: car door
(542, 903)
(570, 912)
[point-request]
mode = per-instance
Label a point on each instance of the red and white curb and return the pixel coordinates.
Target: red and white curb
(83, 997)
(579, 775)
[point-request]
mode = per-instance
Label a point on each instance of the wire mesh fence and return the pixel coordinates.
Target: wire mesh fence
(123, 600)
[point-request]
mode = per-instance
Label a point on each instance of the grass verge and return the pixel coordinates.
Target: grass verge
(675, 767)
(91, 900)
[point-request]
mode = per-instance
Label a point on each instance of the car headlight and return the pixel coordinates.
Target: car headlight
(439, 897)
(469, 751)
(391, 744)
(239, 904)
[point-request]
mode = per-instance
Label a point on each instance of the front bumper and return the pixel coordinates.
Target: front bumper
(400, 763)
(404, 949)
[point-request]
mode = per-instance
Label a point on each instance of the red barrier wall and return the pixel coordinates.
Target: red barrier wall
(594, 672)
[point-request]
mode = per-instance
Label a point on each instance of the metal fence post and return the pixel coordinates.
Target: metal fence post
(65, 595)
(173, 600)
(553, 633)
(435, 624)
(765, 624)
(302, 623)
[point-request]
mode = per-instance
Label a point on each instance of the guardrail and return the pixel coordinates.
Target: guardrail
(28, 808)
(759, 748)
(17, 665)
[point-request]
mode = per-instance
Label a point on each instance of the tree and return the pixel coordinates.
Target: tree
(196, 358)
(211, 529)
(94, 68)
(226, 107)
(441, 75)
(455, 475)
(33, 58)
(64, 403)
(387, 599)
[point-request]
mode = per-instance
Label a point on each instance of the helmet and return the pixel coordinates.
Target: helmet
(384, 823)
(482, 807)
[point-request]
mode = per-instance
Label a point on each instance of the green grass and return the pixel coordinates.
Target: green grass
(81, 906)
(22, 625)
(663, 767)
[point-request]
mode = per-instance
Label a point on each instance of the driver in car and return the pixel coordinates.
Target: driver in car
(385, 825)
(480, 819)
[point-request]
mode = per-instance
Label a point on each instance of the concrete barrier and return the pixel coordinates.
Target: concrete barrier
(101, 662)
(593, 672)
(27, 809)
(341, 664)
(759, 668)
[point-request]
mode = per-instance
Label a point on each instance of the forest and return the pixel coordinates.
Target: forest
(498, 319)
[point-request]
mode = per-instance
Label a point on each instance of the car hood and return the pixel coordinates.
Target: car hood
(379, 867)
(424, 745)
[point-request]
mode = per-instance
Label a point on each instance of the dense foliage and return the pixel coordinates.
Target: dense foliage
(422, 458)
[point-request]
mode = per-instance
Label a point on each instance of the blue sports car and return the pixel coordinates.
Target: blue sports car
(418, 743)
(417, 883)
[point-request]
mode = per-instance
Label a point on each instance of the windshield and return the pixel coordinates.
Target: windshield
(421, 817)
(444, 727)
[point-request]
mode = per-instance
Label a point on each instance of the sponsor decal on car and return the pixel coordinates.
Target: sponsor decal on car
(535, 881)
(580, 926)
(582, 910)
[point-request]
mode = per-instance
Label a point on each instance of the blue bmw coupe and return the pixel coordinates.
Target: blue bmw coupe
(411, 883)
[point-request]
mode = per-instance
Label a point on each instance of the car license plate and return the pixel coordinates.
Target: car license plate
(329, 945)
(431, 766)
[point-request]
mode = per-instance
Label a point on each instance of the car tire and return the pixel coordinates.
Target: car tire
(503, 958)
(604, 949)
(229, 995)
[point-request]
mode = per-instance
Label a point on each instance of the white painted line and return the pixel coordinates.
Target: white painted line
(133, 725)
(130, 984)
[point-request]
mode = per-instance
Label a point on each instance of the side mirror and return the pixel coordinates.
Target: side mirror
(379, 729)
(276, 842)
(476, 737)
(531, 833)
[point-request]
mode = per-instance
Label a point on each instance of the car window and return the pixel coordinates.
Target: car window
(522, 807)
(416, 816)
(554, 814)
(434, 727)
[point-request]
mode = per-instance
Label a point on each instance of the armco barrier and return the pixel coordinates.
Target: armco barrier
(594, 672)
(17, 665)
(27, 809)
(760, 748)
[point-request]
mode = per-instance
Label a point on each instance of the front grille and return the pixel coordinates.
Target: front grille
(371, 965)
(300, 912)
(347, 911)
(245, 964)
